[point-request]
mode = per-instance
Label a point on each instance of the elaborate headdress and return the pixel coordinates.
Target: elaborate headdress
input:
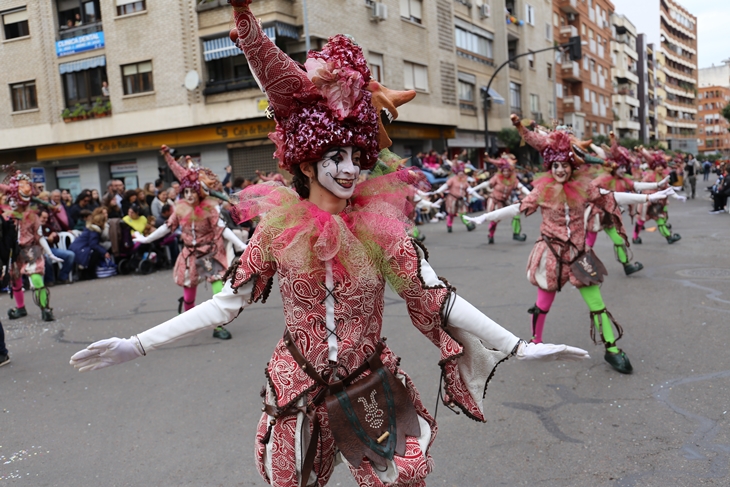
(620, 156)
(191, 175)
(17, 186)
(332, 101)
(558, 145)
(505, 161)
(655, 159)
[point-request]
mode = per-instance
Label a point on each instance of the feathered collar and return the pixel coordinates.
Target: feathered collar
(187, 213)
(575, 192)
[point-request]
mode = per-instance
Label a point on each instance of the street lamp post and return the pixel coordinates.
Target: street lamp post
(573, 48)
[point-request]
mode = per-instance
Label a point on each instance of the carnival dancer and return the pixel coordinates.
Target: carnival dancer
(455, 193)
(333, 385)
(203, 257)
(657, 210)
(559, 255)
(501, 186)
(26, 257)
(614, 178)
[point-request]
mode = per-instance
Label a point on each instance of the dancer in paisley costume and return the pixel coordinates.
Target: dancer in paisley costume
(333, 245)
(203, 257)
(658, 210)
(559, 255)
(501, 186)
(26, 257)
(614, 178)
(455, 192)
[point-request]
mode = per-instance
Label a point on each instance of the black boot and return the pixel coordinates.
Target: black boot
(221, 333)
(47, 314)
(630, 268)
(491, 240)
(449, 229)
(619, 361)
(16, 313)
(470, 226)
(520, 237)
(636, 240)
(673, 238)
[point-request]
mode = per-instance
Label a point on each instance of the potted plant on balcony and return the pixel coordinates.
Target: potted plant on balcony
(66, 115)
(78, 113)
(101, 108)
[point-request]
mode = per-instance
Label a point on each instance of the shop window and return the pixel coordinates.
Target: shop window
(415, 76)
(15, 24)
(137, 78)
(24, 96)
(84, 87)
(126, 7)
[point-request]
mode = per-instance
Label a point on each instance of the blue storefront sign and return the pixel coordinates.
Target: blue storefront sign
(83, 43)
(38, 174)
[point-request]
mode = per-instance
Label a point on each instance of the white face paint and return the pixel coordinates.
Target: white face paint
(621, 170)
(190, 196)
(561, 171)
(13, 204)
(338, 171)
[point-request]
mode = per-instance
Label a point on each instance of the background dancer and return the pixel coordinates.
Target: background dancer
(501, 186)
(333, 245)
(559, 255)
(27, 257)
(658, 209)
(455, 194)
(203, 257)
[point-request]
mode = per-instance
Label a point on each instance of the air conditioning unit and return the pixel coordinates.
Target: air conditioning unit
(379, 12)
(571, 17)
(485, 10)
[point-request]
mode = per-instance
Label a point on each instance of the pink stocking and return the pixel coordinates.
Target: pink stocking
(544, 302)
(18, 293)
(492, 229)
(189, 297)
(449, 220)
(591, 238)
(637, 228)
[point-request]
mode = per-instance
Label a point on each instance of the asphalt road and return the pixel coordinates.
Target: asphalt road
(186, 414)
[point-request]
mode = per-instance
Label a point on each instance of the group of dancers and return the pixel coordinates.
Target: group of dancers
(333, 388)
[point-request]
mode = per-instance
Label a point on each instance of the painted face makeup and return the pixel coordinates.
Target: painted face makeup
(13, 204)
(190, 196)
(338, 171)
(506, 172)
(561, 171)
(621, 171)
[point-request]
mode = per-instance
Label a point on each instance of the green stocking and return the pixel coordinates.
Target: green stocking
(463, 218)
(592, 297)
(36, 281)
(415, 233)
(216, 287)
(662, 224)
(516, 225)
(619, 244)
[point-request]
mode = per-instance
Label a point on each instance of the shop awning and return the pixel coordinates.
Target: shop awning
(496, 97)
(280, 29)
(219, 48)
(82, 65)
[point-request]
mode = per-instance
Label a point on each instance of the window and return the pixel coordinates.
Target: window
(551, 109)
(515, 95)
(586, 94)
(16, 24)
(549, 71)
(583, 29)
(559, 91)
(530, 14)
(77, 13)
(531, 61)
(472, 39)
(83, 87)
(534, 103)
(137, 78)
(466, 92)
(376, 66)
(548, 31)
(556, 20)
(24, 96)
(411, 10)
(126, 7)
(229, 73)
(415, 76)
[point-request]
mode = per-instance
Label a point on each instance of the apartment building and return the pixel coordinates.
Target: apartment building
(715, 75)
(93, 88)
(678, 38)
(584, 89)
(625, 78)
(714, 135)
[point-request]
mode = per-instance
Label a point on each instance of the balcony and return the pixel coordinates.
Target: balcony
(572, 104)
(568, 31)
(568, 6)
(571, 71)
(215, 87)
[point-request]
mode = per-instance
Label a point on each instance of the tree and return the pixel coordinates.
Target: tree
(726, 112)
(601, 139)
(511, 138)
(630, 143)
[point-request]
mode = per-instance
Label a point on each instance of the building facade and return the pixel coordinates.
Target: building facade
(678, 37)
(584, 88)
(109, 82)
(714, 135)
(625, 78)
(715, 75)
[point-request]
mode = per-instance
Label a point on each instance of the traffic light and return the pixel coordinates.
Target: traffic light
(574, 47)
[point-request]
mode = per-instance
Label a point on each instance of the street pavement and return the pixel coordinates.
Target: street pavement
(186, 414)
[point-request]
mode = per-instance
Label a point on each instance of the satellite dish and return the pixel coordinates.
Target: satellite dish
(192, 80)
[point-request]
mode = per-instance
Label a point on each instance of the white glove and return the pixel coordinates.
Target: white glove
(663, 183)
(139, 238)
(660, 195)
(548, 351)
(104, 353)
(501, 214)
(680, 197)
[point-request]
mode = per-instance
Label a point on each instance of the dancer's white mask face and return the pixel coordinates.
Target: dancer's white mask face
(561, 171)
(620, 171)
(13, 204)
(338, 171)
(190, 196)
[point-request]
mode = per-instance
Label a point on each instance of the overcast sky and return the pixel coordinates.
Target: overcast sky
(713, 23)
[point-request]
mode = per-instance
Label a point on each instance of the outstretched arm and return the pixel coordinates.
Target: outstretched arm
(237, 243)
(219, 310)
(636, 199)
(641, 186)
(500, 214)
(523, 189)
(161, 231)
